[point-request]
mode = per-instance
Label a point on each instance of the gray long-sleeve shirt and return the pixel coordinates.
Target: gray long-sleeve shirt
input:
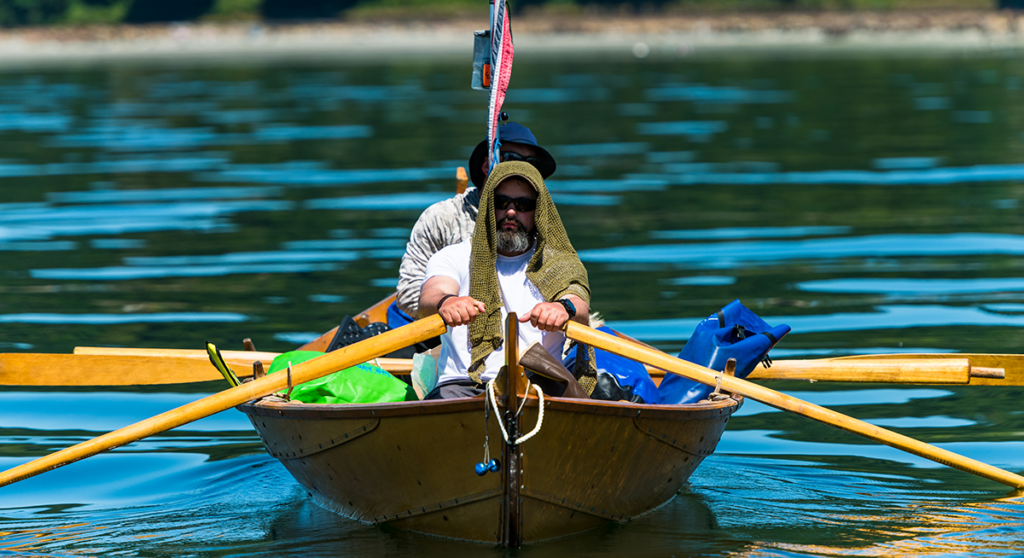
(446, 222)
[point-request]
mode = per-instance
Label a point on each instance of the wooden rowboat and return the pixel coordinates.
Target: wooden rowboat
(411, 465)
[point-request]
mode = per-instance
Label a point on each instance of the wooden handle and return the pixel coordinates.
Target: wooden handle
(1011, 364)
(921, 371)
(304, 372)
(986, 372)
(784, 402)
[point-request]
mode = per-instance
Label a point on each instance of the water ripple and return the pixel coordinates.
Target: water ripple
(890, 245)
(109, 319)
(63, 411)
(164, 194)
(886, 317)
(236, 258)
(938, 176)
(898, 286)
(146, 165)
(115, 273)
(712, 94)
(748, 232)
(321, 177)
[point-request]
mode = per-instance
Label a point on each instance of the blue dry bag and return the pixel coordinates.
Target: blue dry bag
(732, 332)
(618, 378)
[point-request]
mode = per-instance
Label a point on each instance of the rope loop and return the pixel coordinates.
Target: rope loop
(497, 412)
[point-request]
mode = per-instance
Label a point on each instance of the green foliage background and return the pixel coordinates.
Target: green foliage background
(16, 13)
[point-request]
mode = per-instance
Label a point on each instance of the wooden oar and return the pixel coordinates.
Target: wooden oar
(111, 366)
(784, 402)
(960, 370)
(906, 371)
(1012, 364)
(33, 369)
(301, 373)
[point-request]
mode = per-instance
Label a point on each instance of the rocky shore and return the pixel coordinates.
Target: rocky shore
(586, 34)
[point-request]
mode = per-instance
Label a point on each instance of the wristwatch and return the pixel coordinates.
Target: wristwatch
(568, 307)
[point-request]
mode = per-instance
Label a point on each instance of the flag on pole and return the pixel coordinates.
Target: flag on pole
(501, 68)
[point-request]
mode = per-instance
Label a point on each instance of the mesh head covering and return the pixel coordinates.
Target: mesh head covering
(554, 269)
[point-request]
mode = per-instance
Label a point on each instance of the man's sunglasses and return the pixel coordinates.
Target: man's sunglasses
(507, 156)
(524, 205)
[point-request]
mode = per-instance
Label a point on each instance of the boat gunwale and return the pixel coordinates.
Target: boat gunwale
(264, 407)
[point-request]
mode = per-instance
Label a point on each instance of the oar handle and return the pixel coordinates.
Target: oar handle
(987, 372)
(612, 344)
(918, 371)
(310, 370)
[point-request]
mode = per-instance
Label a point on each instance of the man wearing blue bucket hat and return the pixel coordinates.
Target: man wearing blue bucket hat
(453, 220)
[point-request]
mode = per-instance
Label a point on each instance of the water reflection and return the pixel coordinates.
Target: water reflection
(733, 254)
(114, 219)
(165, 194)
(179, 163)
(849, 397)
(733, 233)
(306, 176)
(29, 410)
(162, 272)
(932, 529)
(123, 136)
(689, 175)
(884, 317)
(109, 319)
(725, 95)
(901, 286)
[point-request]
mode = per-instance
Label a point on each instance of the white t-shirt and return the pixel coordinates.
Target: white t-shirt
(518, 294)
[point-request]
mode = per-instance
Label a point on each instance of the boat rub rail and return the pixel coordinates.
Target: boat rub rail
(273, 408)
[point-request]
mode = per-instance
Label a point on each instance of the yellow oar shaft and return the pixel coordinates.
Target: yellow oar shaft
(784, 402)
(906, 372)
(247, 356)
(922, 371)
(1011, 364)
(103, 366)
(304, 372)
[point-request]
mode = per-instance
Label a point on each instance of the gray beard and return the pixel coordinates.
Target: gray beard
(516, 241)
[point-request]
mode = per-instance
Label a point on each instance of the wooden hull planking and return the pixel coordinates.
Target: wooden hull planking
(410, 465)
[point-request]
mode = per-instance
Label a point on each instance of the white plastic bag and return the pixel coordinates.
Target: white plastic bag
(424, 373)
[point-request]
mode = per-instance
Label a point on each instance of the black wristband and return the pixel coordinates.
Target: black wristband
(570, 308)
(444, 298)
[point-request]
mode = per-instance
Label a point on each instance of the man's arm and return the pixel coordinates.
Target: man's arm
(424, 241)
(551, 316)
(455, 310)
(442, 224)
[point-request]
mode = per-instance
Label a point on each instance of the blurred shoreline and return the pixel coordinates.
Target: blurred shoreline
(921, 33)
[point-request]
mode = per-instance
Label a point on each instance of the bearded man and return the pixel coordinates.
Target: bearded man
(519, 260)
(452, 220)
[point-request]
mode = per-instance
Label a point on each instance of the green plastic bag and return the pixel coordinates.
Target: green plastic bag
(364, 383)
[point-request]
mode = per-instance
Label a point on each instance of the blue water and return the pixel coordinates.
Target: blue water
(870, 204)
